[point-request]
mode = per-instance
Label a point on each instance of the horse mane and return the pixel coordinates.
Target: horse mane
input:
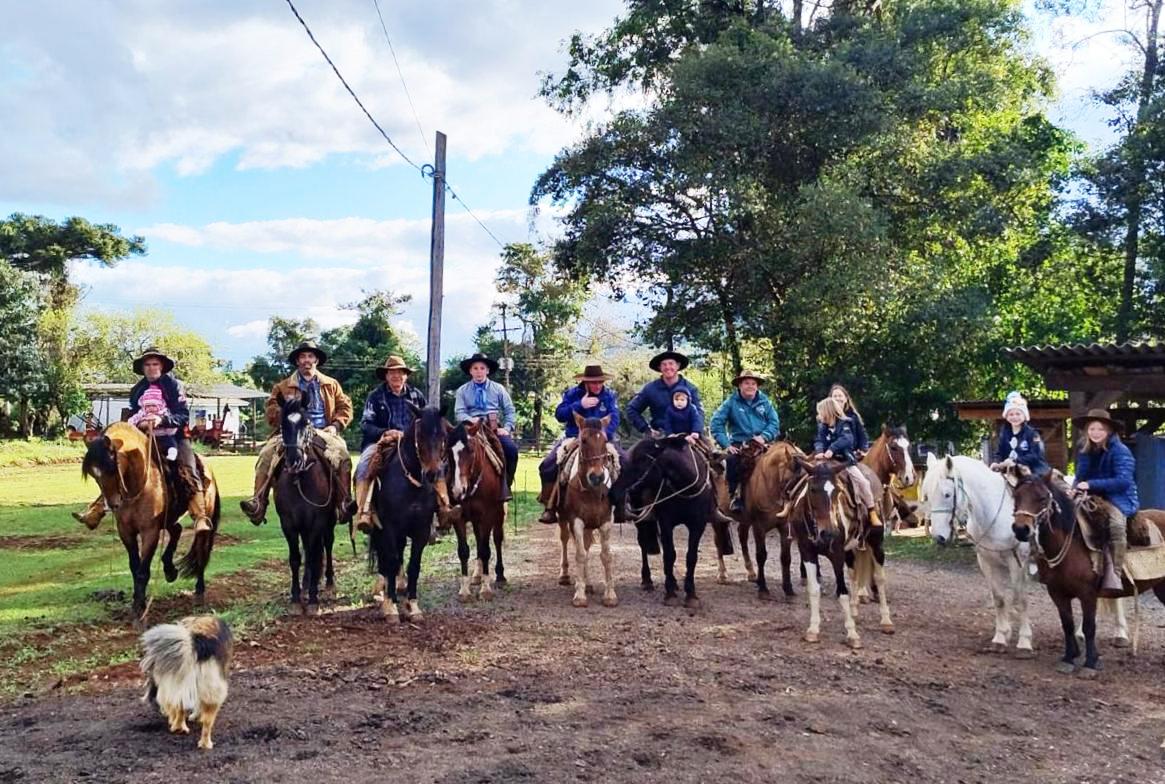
(101, 451)
(1063, 517)
(430, 420)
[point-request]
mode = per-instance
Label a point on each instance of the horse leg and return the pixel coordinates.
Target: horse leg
(844, 599)
(647, 534)
(749, 570)
(762, 555)
(564, 566)
(174, 533)
(149, 545)
(499, 537)
(813, 587)
(416, 553)
(695, 533)
(293, 562)
(879, 556)
(390, 562)
(1063, 604)
(999, 581)
(670, 586)
(130, 540)
(483, 553)
(313, 569)
(1116, 608)
(329, 592)
(578, 533)
(1017, 581)
(459, 525)
(1091, 652)
(786, 560)
(610, 599)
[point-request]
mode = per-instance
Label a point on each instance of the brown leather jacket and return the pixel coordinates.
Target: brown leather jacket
(337, 405)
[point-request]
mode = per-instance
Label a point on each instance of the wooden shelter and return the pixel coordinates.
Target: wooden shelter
(1050, 417)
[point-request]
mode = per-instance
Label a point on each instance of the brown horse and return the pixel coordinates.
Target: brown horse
(585, 506)
(1046, 516)
(889, 458)
(767, 506)
(477, 485)
(129, 470)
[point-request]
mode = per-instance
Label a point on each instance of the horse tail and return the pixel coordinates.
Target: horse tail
(374, 551)
(863, 569)
(195, 561)
(648, 534)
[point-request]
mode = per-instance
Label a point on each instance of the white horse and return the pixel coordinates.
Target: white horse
(963, 491)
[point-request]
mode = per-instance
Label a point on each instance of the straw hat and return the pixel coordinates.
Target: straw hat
(392, 363)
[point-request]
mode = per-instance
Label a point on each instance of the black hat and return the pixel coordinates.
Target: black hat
(658, 358)
(479, 357)
(167, 363)
(308, 345)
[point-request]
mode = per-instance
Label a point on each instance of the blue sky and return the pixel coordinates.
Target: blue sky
(217, 131)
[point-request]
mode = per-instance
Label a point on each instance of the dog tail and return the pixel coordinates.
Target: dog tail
(169, 666)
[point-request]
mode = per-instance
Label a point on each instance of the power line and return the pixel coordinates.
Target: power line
(400, 73)
(465, 206)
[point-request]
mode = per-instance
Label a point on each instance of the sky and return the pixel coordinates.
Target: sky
(217, 131)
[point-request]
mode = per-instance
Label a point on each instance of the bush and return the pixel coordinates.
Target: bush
(38, 451)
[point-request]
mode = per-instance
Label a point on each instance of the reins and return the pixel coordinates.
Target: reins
(1044, 516)
(641, 513)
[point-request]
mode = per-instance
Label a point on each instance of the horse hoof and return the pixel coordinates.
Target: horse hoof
(328, 594)
(751, 576)
(1121, 642)
(295, 608)
(312, 609)
(171, 573)
(887, 628)
(465, 597)
(565, 580)
(854, 643)
(722, 579)
(764, 595)
(996, 647)
(413, 612)
(647, 585)
(199, 600)
(1024, 653)
(693, 603)
(487, 595)
(812, 637)
(501, 580)
(1065, 668)
(389, 610)
(1087, 673)
(579, 601)
(611, 600)
(671, 601)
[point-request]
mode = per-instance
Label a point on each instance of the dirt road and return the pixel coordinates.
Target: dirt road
(529, 689)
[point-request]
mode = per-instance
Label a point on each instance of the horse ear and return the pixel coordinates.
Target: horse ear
(804, 463)
(931, 460)
(950, 463)
(579, 421)
(605, 421)
(886, 430)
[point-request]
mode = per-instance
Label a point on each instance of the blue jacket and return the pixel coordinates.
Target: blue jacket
(571, 404)
(175, 395)
(1111, 474)
(841, 439)
(384, 411)
(737, 420)
(656, 396)
(683, 421)
(1024, 448)
(497, 400)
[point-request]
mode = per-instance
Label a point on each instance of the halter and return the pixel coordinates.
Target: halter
(605, 457)
(400, 456)
(959, 522)
(1042, 518)
(482, 445)
(303, 444)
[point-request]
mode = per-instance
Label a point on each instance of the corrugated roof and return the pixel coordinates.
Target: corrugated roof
(1131, 354)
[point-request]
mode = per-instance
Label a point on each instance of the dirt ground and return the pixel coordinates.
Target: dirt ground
(529, 689)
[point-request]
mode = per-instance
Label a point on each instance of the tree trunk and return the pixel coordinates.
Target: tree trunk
(730, 336)
(538, 423)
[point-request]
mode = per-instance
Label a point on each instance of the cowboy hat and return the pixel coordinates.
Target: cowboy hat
(1098, 415)
(392, 363)
(468, 362)
(593, 373)
(308, 345)
(659, 358)
(167, 363)
(748, 374)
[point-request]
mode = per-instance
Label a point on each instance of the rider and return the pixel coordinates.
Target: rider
(481, 398)
(747, 414)
(1019, 442)
(1105, 467)
(330, 411)
(657, 395)
(386, 417)
(682, 418)
(591, 399)
(837, 440)
(157, 403)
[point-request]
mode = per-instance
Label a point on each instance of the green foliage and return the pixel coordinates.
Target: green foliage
(38, 244)
(104, 346)
(21, 383)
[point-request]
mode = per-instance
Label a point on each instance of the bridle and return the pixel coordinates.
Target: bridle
(302, 443)
(1042, 519)
(604, 457)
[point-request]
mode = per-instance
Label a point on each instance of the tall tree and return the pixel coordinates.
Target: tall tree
(21, 382)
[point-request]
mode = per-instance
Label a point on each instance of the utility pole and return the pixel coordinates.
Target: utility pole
(506, 364)
(436, 273)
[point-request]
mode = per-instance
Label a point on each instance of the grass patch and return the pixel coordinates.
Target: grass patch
(37, 451)
(923, 548)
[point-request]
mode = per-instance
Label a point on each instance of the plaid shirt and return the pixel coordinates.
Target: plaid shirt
(385, 411)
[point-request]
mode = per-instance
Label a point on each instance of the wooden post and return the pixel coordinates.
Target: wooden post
(436, 274)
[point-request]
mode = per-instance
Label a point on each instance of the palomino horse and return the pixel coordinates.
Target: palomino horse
(305, 504)
(962, 491)
(128, 469)
(405, 505)
(585, 507)
(1045, 515)
(478, 476)
(668, 484)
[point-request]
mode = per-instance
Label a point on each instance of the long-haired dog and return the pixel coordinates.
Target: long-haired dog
(187, 666)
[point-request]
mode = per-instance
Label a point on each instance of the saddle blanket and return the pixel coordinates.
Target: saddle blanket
(1141, 562)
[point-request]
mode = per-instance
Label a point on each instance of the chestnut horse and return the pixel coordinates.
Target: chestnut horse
(585, 507)
(767, 506)
(1046, 516)
(477, 485)
(889, 458)
(128, 468)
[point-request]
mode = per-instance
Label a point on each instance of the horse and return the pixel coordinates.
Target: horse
(1045, 515)
(963, 491)
(405, 505)
(306, 508)
(585, 507)
(889, 459)
(668, 484)
(767, 506)
(128, 468)
(478, 481)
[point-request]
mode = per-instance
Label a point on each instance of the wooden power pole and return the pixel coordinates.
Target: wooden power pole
(436, 274)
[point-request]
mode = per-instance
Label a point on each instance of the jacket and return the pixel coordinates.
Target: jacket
(1024, 448)
(571, 404)
(656, 396)
(839, 439)
(178, 413)
(683, 421)
(1111, 474)
(384, 411)
(497, 400)
(737, 420)
(337, 405)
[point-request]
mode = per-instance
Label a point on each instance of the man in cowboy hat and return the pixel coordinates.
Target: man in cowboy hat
(157, 404)
(481, 398)
(330, 411)
(656, 396)
(746, 415)
(590, 399)
(388, 414)
(1105, 467)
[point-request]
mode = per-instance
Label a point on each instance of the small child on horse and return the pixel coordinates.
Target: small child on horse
(682, 418)
(839, 437)
(1019, 442)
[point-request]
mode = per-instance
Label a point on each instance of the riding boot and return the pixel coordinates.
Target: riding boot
(507, 493)
(345, 506)
(93, 514)
(549, 499)
(255, 507)
(364, 505)
(737, 502)
(1118, 546)
(196, 505)
(875, 517)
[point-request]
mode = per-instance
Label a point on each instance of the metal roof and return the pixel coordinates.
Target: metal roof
(1115, 355)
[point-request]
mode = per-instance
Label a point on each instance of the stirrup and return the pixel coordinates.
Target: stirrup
(202, 524)
(364, 523)
(548, 516)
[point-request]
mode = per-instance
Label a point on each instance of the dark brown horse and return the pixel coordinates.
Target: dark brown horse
(1046, 516)
(585, 507)
(477, 486)
(128, 468)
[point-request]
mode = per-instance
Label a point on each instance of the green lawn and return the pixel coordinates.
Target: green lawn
(74, 584)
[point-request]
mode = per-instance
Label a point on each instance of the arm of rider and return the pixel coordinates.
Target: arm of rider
(759, 439)
(733, 449)
(390, 435)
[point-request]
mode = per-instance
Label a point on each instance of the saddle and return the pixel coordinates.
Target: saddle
(1145, 557)
(567, 458)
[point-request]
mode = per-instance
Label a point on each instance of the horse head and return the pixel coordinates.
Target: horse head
(940, 493)
(101, 463)
(593, 456)
(430, 433)
(820, 485)
(898, 453)
(459, 458)
(296, 431)
(1035, 504)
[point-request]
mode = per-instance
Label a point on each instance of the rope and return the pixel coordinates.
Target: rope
(641, 513)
